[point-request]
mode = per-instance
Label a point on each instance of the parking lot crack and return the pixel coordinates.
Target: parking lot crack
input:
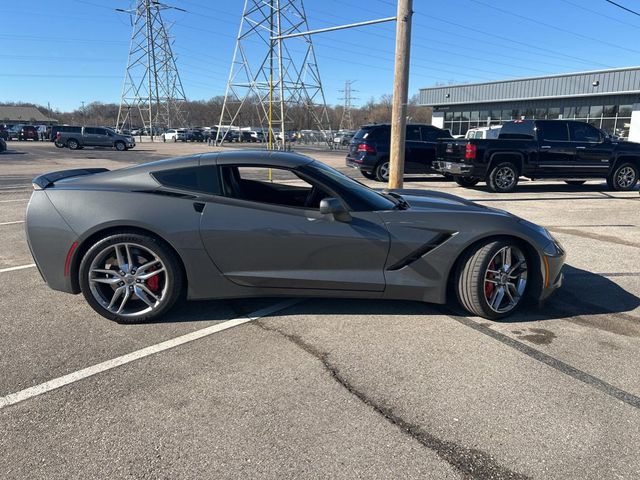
(472, 463)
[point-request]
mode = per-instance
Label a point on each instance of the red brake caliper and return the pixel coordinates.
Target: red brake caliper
(488, 286)
(154, 282)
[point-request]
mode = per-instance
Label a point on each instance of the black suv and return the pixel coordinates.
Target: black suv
(369, 149)
(28, 132)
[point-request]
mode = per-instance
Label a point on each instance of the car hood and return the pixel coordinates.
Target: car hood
(429, 200)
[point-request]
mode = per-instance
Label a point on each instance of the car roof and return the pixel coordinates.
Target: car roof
(260, 157)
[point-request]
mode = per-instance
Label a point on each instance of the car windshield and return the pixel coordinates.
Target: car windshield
(357, 195)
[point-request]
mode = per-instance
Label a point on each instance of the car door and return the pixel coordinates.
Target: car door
(90, 137)
(556, 154)
(593, 153)
(257, 241)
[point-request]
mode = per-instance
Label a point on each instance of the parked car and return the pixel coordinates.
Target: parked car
(28, 132)
(3, 145)
(194, 135)
(483, 132)
(175, 134)
(13, 131)
(214, 226)
(245, 136)
(370, 146)
(541, 149)
(95, 137)
(342, 139)
(3, 133)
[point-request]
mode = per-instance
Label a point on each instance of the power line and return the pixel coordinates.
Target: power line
(623, 7)
(600, 14)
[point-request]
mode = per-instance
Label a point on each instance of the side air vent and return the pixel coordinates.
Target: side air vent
(422, 251)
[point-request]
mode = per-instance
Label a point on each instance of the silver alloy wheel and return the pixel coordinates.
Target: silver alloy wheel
(505, 177)
(384, 171)
(505, 279)
(128, 279)
(72, 144)
(120, 146)
(625, 177)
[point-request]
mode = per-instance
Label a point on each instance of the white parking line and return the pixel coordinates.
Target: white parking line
(45, 387)
(16, 187)
(20, 267)
(15, 200)
(11, 223)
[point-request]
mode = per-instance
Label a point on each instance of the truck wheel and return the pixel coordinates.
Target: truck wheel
(575, 182)
(466, 182)
(624, 177)
(120, 146)
(492, 280)
(73, 144)
(381, 171)
(503, 177)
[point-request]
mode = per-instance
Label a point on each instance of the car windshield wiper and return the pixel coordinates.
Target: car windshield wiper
(400, 202)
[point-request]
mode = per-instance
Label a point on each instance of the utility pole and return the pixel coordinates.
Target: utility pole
(400, 93)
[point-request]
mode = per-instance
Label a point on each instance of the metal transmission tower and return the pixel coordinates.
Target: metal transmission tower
(277, 79)
(346, 122)
(152, 87)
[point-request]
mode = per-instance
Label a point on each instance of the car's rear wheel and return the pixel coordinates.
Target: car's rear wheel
(120, 146)
(466, 182)
(624, 177)
(130, 278)
(369, 175)
(492, 280)
(381, 171)
(73, 144)
(575, 182)
(503, 177)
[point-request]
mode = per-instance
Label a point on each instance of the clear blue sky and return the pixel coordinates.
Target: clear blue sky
(68, 51)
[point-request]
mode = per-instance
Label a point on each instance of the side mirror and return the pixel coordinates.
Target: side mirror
(333, 206)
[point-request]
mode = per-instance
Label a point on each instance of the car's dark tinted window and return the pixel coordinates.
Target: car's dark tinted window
(518, 130)
(413, 133)
(91, 131)
(431, 134)
(196, 179)
(553, 131)
(583, 132)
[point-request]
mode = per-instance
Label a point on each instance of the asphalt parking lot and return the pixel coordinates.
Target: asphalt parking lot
(327, 388)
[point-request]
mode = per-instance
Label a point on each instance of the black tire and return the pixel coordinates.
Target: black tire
(381, 172)
(141, 248)
(369, 175)
(466, 182)
(503, 177)
(120, 146)
(624, 177)
(73, 144)
(575, 182)
(472, 283)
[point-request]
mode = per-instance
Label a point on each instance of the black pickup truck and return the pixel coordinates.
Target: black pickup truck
(540, 149)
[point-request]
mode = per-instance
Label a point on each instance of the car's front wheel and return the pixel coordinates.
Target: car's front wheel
(624, 177)
(492, 280)
(120, 146)
(130, 278)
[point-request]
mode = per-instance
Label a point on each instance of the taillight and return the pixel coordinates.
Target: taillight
(363, 147)
(470, 152)
(58, 136)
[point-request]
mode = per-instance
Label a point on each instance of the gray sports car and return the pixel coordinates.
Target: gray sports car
(257, 223)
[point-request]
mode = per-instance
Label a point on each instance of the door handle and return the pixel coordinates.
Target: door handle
(581, 148)
(545, 146)
(198, 206)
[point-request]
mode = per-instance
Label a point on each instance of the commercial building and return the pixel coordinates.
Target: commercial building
(608, 99)
(20, 115)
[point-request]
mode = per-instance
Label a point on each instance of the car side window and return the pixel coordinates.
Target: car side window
(413, 134)
(583, 132)
(203, 179)
(554, 131)
(91, 130)
(274, 186)
(431, 134)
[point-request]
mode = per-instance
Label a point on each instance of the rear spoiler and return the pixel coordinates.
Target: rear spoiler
(48, 179)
